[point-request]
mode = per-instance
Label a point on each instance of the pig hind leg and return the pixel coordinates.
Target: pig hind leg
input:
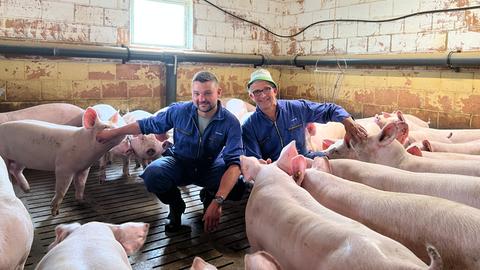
(16, 170)
(80, 179)
(126, 165)
(102, 174)
(62, 182)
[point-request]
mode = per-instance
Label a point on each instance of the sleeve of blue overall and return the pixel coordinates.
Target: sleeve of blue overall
(233, 146)
(158, 124)
(250, 143)
(323, 112)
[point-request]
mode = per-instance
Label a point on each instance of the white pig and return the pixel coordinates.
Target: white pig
(284, 220)
(464, 189)
(384, 149)
(145, 147)
(122, 150)
(470, 148)
(94, 245)
(259, 260)
(413, 220)
(239, 108)
(57, 113)
(416, 149)
(439, 135)
(16, 228)
(67, 150)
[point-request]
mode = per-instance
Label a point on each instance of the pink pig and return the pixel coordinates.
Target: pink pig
(284, 220)
(67, 150)
(413, 220)
(16, 228)
(57, 113)
(94, 245)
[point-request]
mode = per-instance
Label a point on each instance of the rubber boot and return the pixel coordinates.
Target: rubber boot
(176, 206)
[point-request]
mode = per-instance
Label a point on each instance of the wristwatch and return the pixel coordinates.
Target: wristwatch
(220, 200)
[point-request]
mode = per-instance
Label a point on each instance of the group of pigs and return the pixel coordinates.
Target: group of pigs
(404, 197)
(378, 203)
(62, 138)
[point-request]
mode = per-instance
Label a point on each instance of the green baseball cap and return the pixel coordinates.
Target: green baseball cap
(261, 74)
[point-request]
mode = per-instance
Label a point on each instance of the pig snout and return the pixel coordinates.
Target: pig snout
(151, 152)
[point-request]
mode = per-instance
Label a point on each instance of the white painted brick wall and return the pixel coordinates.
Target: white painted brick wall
(200, 11)
(346, 29)
(123, 4)
(89, 15)
(55, 11)
(223, 29)
(338, 45)
(404, 43)
(460, 40)
(360, 11)
(205, 28)
(199, 43)
(117, 17)
(405, 7)
(357, 45)
(381, 9)
(304, 47)
(432, 42)
(420, 23)
(379, 44)
(368, 29)
(23, 9)
(216, 44)
(103, 34)
(104, 3)
(100, 21)
(233, 45)
(319, 46)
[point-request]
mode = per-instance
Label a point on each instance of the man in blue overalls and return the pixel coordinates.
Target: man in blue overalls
(275, 123)
(206, 152)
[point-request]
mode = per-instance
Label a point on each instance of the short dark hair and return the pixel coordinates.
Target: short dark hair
(204, 76)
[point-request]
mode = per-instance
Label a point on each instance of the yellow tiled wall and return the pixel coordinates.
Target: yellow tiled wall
(447, 98)
(25, 83)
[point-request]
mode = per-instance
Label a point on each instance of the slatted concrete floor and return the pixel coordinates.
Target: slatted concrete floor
(121, 200)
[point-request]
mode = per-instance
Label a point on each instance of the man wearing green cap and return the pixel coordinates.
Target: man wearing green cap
(275, 123)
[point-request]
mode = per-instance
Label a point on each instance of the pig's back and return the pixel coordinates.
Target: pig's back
(136, 115)
(58, 113)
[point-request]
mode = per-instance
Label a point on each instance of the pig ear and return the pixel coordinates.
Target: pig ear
(131, 239)
(261, 260)
(114, 118)
(200, 264)
(311, 129)
(284, 162)
(347, 141)
(89, 118)
(427, 145)
(386, 114)
(326, 143)
(402, 132)
(388, 134)
(166, 145)
(322, 164)
(414, 150)
(62, 231)
(249, 167)
(298, 167)
(400, 116)
(161, 137)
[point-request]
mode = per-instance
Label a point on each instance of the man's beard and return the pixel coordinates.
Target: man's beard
(209, 109)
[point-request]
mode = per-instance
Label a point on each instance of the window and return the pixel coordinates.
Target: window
(161, 23)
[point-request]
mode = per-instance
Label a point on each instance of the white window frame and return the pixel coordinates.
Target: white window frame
(188, 24)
